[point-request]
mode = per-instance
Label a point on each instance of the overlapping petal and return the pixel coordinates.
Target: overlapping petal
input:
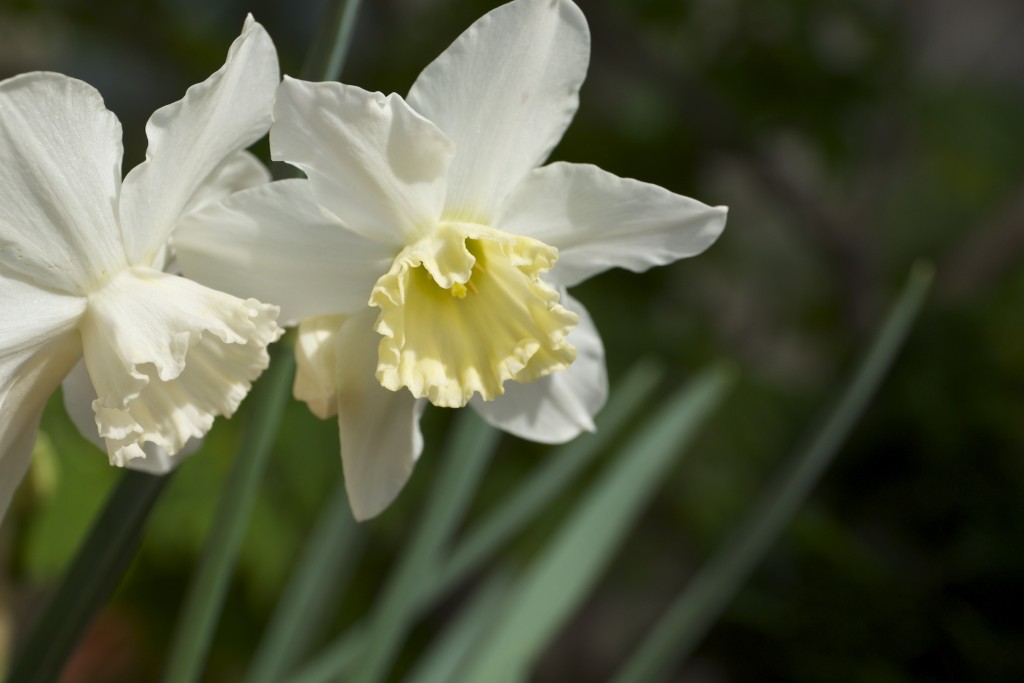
(373, 162)
(28, 380)
(238, 172)
(379, 429)
(189, 139)
(38, 346)
(167, 355)
(558, 407)
(274, 243)
(59, 182)
(504, 92)
(600, 221)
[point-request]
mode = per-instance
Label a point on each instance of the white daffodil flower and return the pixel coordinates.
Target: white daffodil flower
(436, 210)
(82, 259)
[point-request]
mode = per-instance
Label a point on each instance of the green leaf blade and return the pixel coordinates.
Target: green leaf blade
(556, 584)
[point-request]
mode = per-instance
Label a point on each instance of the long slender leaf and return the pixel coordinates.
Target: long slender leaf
(509, 518)
(574, 559)
(466, 455)
(330, 47)
(550, 479)
(692, 613)
(441, 662)
(95, 572)
(209, 586)
(313, 589)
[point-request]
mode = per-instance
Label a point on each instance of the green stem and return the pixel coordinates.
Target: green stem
(92, 577)
(209, 586)
(486, 538)
(468, 450)
(314, 588)
(330, 48)
(691, 615)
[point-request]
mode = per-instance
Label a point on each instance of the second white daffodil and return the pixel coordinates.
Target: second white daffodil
(426, 256)
(83, 254)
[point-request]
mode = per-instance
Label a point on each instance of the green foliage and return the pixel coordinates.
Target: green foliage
(849, 138)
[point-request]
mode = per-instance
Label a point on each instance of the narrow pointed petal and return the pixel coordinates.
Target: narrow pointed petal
(275, 244)
(167, 355)
(373, 162)
(38, 346)
(558, 407)
(191, 138)
(60, 174)
(379, 429)
(600, 221)
(504, 92)
(79, 396)
(27, 384)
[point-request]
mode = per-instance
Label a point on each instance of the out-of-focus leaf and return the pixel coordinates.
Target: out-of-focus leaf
(554, 586)
(693, 612)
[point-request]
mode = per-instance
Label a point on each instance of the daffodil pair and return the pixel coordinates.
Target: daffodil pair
(425, 256)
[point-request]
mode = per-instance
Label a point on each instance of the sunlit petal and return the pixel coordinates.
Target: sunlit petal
(28, 381)
(600, 221)
(192, 137)
(373, 162)
(60, 175)
(238, 172)
(274, 243)
(504, 92)
(379, 429)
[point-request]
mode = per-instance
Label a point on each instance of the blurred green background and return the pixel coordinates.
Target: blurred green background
(848, 138)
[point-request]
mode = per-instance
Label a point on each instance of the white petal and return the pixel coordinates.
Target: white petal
(28, 381)
(377, 165)
(166, 355)
(556, 408)
(190, 138)
(238, 172)
(60, 174)
(32, 317)
(275, 244)
(316, 364)
(38, 346)
(599, 221)
(504, 92)
(379, 429)
(79, 396)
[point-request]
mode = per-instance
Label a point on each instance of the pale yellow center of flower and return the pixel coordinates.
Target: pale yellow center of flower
(464, 310)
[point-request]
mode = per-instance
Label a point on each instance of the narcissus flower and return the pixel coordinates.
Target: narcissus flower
(435, 210)
(83, 254)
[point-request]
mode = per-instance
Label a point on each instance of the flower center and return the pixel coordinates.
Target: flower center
(166, 355)
(464, 309)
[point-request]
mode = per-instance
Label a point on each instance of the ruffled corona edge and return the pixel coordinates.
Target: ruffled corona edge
(167, 355)
(464, 311)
